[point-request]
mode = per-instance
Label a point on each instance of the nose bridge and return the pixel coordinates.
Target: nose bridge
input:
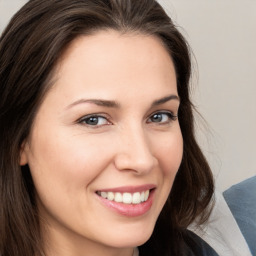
(135, 151)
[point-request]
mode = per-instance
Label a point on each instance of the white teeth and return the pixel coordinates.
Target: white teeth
(136, 198)
(146, 195)
(111, 196)
(104, 194)
(118, 198)
(142, 196)
(126, 198)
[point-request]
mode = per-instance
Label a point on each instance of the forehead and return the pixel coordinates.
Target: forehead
(107, 39)
(110, 45)
(109, 61)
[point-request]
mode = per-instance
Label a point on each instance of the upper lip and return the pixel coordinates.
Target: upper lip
(130, 189)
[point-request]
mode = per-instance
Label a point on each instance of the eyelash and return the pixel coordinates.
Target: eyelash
(95, 117)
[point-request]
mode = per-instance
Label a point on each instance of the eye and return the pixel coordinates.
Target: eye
(94, 120)
(162, 117)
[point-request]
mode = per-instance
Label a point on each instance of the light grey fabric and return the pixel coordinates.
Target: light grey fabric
(241, 199)
(221, 231)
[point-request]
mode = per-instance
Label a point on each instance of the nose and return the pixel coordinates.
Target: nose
(135, 152)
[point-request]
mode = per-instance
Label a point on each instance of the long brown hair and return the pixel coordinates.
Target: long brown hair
(30, 46)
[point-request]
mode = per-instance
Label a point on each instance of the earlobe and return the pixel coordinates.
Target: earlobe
(23, 154)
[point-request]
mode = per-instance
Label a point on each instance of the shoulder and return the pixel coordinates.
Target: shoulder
(241, 199)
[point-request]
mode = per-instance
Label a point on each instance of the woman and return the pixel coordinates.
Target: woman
(96, 130)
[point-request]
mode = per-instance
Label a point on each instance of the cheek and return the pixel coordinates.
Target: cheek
(65, 161)
(63, 171)
(169, 151)
(169, 154)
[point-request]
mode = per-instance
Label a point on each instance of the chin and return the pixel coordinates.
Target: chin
(132, 238)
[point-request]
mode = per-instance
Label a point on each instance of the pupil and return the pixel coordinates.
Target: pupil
(92, 120)
(157, 118)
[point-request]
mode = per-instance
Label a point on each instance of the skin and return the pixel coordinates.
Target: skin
(71, 159)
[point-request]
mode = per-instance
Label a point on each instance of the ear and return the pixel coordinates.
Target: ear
(23, 153)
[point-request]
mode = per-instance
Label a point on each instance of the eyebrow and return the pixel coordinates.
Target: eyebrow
(165, 99)
(114, 104)
(99, 102)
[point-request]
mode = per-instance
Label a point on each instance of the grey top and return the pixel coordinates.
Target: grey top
(241, 199)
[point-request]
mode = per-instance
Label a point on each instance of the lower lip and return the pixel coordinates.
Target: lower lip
(130, 210)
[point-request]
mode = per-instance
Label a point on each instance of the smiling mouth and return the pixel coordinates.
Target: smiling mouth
(129, 201)
(126, 197)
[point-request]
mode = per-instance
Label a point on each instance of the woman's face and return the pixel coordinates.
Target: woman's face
(106, 143)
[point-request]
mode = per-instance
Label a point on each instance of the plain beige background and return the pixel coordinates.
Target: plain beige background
(222, 34)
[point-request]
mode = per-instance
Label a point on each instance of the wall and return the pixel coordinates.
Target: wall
(222, 35)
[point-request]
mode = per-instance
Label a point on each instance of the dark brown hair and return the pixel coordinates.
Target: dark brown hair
(30, 46)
